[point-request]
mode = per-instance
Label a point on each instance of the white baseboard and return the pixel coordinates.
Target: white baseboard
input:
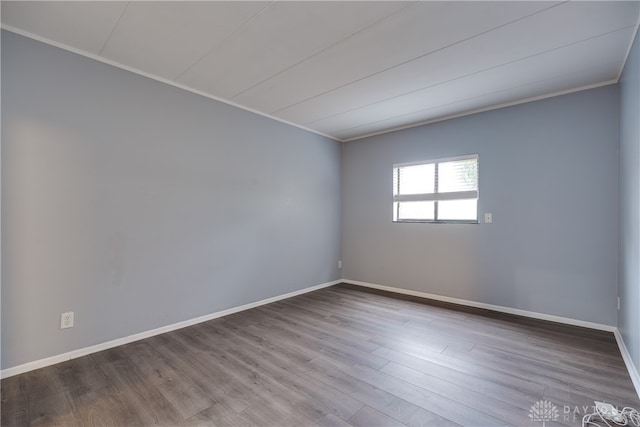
(500, 308)
(633, 371)
(30, 366)
(37, 364)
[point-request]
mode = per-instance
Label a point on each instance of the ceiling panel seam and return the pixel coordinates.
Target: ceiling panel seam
(322, 50)
(106, 41)
(417, 57)
(395, 67)
(480, 110)
(454, 102)
(466, 75)
(237, 30)
(166, 81)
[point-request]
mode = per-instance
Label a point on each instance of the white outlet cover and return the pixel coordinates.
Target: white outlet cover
(66, 320)
(488, 218)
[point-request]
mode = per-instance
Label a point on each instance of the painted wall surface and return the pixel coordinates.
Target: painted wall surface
(548, 174)
(138, 205)
(628, 316)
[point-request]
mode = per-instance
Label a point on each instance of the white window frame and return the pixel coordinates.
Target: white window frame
(436, 196)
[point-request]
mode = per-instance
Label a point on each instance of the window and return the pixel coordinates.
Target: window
(444, 190)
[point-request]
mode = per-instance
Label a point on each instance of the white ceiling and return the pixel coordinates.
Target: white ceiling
(348, 69)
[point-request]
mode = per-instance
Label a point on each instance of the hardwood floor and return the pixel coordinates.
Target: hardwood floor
(340, 356)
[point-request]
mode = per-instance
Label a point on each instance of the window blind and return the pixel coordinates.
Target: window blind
(419, 187)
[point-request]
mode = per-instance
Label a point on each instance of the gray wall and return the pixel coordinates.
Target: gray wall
(628, 317)
(548, 173)
(137, 204)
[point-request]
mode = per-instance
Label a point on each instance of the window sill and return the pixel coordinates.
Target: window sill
(419, 221)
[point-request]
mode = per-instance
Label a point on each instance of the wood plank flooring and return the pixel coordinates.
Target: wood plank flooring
(340, 356)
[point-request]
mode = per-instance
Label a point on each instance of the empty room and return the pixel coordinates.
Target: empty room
(320, 213)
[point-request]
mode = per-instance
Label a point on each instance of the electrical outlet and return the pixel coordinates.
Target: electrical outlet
(66, 320)
(488, 218)
(340, 264)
